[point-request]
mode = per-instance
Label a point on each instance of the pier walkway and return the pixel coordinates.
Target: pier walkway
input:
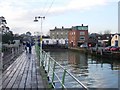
(23, 73)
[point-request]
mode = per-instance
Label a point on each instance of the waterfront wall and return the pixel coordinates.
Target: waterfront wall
(98, 53)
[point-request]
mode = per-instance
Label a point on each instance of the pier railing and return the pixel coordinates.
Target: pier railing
(8, 55)
(59, 76)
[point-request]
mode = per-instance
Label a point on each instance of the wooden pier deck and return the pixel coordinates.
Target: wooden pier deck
(23, 73)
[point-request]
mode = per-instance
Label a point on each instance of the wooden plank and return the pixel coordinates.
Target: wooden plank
(24, 76)
(34, 75)
(17, 60)
(19, 77)
(40, 82)
(7, 71)
(10, 68)
(9, 78)
(39, 78)
(24, 73)
(10, 75)
(28, 81)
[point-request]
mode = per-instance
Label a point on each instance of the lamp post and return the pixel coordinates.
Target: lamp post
(36, 20)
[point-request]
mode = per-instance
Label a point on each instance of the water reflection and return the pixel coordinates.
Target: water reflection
(79, 63)
(93, 72)
(113, 64)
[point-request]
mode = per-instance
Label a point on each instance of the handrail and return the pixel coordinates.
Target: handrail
(47, 64)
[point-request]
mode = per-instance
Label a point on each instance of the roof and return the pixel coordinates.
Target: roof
(56, 29)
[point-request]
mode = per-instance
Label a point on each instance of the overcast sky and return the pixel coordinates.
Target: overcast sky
(99, 15)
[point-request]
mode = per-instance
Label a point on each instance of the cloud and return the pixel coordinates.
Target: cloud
(78, 5)
(81, 4)
(19, 9)
(20, 13)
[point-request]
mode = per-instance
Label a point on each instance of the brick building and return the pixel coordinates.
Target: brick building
(78, 36)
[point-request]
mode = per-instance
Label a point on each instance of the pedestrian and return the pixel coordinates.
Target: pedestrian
(30, 47)
(26, 47)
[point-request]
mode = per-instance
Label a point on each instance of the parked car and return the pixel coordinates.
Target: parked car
(84, 46)
(108, 48)
(115, 48)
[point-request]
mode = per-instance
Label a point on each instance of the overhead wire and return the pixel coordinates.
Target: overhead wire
(49, 8)
(42, 12)
(44, 7)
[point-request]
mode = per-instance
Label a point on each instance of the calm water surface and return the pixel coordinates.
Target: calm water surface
(93, 72)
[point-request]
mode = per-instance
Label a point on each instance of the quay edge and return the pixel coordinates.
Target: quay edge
(100, 53)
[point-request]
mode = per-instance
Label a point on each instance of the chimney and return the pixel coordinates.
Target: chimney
(55, 27)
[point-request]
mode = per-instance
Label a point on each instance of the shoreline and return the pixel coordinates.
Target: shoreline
(99, 53)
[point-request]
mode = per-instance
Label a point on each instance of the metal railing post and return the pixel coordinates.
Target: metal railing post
(42, 58)
(53, 75)
(48, 64)
(45, 59)
(63, 78)
(38, 53)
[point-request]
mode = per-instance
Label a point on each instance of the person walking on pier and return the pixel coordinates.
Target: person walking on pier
(29, 46)
(25, 46)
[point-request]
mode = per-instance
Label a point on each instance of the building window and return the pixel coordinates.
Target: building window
(107, 37)
(52, 36)
(82, 38)
(61, 33)
(47, 41)
(74, 33)
(99, 37)
(82, 33)
(53, 33)
(57, 33)
(57, 36)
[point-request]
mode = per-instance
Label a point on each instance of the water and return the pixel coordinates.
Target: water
(93, 72)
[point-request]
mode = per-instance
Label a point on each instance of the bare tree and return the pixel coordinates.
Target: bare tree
(107, 32)
(100, 32)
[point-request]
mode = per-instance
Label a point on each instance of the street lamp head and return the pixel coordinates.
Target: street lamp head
(44, 17)
(41, 17)
(35, 19)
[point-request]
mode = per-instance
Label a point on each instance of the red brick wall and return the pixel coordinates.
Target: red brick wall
(75, 37)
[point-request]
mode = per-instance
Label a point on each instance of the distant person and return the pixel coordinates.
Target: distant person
(30, 47)
(26, 48)
(26, 44)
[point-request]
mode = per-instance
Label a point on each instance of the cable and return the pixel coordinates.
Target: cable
(44, 7)
(49, 8)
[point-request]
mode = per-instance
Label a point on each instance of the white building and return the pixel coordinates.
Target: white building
(55, 41)
(115, 41)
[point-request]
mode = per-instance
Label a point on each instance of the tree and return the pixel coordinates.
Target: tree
(28, 33)
(7, 37)
(107, 32)
(100, 32)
